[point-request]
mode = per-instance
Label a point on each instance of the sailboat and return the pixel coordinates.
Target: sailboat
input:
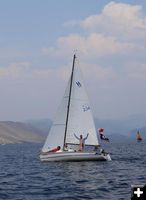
(73, 118)
(139, 138)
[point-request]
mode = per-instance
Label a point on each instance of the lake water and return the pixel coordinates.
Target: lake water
(24, 177)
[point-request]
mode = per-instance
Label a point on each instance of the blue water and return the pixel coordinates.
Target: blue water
(24, 177)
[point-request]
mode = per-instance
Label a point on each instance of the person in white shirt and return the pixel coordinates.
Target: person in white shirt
(81, 141)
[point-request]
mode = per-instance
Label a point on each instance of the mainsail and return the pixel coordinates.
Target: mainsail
(74, 115)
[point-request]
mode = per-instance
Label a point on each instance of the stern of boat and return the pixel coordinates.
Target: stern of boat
(107, 157)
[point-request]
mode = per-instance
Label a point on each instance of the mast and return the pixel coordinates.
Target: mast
(68, 106)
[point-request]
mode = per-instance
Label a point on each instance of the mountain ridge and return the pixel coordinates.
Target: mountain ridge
(18, 132)
(37, 130)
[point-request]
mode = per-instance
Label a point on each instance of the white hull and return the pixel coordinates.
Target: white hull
(75, 156)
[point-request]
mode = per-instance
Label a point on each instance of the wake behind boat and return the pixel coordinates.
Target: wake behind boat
(73, 126)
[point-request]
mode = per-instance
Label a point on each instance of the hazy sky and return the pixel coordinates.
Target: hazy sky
(37, 42)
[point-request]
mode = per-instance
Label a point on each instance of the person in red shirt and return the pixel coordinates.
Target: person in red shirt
(55, 149)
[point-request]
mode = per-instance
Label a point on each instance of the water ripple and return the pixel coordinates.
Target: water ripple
(24, 177)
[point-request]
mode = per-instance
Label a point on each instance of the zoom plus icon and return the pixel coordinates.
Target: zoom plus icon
(138, 192)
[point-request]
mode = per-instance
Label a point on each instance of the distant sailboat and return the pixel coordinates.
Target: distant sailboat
(73, 118)
(139, 138)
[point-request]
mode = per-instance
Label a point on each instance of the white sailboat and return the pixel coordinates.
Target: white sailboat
(74, 117)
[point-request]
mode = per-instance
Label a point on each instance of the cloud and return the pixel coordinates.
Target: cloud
(111, 51)
(23, 70)
(116, 36)
(91, 46)
(118, 18)
(120, 29)
(27, 71)
(15, 70)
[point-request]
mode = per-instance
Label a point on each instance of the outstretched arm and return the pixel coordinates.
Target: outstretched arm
(86, 136)
(76, 136)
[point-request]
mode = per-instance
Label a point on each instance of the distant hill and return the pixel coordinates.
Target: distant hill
(122, 126)
(17, 132)
(37, 130)
(42, 125)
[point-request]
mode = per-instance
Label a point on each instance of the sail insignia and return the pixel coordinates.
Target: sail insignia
(78, 84)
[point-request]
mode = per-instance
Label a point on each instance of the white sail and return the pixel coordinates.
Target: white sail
(80, 119)
(56, 135)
